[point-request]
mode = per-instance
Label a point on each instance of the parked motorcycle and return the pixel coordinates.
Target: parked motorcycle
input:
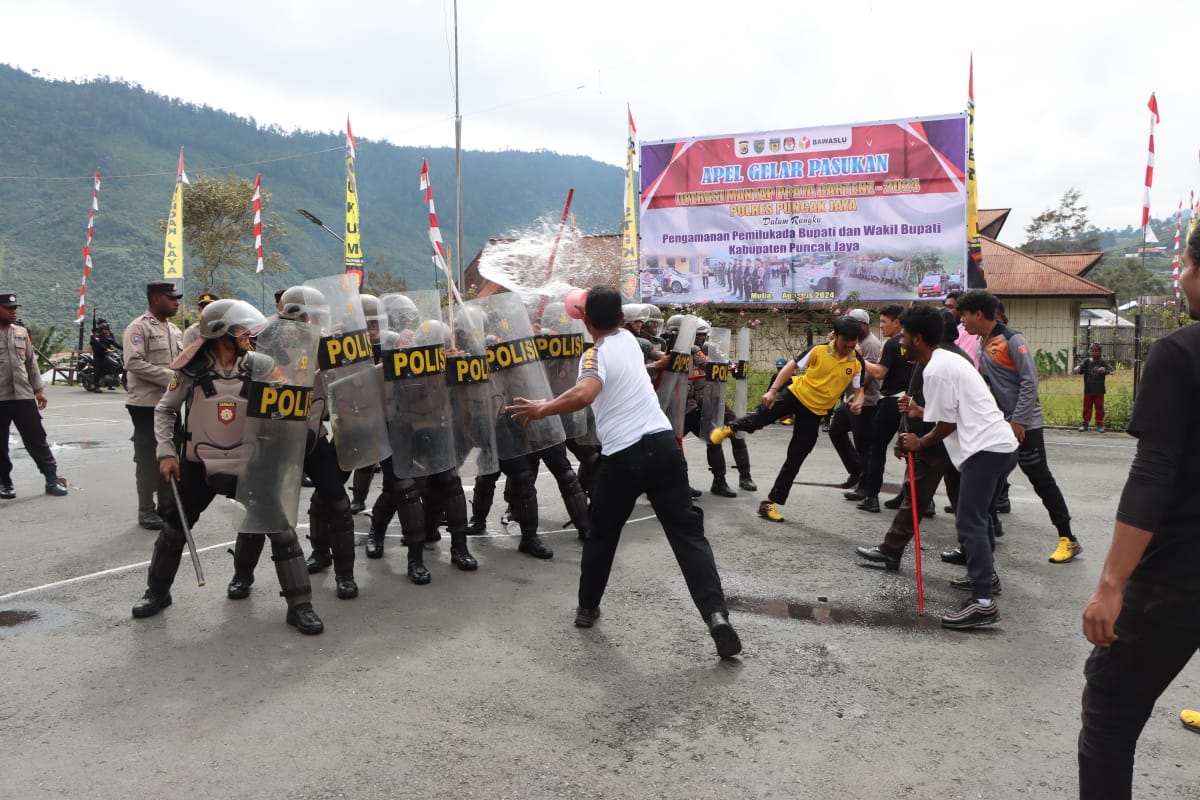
(114, 373)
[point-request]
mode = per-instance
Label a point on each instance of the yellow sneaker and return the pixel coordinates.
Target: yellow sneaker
(787, 420)
(1067, 550)
(1190, 719)
(766, 510)
(720, 434)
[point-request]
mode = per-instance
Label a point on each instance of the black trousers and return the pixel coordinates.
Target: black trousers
(861, 425)
(25, 415)
(654, 466)
(1158, 632)
(929, 467)
(1031, 457)
(804, 436)
(145, 460)
(887, 422)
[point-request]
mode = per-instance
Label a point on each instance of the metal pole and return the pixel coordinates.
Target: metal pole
(1137, 351)
(458, 193)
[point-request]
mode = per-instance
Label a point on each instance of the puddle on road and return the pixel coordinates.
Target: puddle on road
(86, 444)
(826, 612)
(13, 617)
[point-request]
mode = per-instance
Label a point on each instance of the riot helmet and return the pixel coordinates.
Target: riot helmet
(230, 318)
(302, 303)
(374, 316)
(400, 312)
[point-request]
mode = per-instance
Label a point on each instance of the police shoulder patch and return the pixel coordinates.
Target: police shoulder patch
(136, 339)
(174, 384)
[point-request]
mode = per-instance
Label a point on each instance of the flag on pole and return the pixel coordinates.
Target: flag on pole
(258, 221)
(1154, 120)
(173, 247)
(1175, 261)
(87, 248)
(630, 251)
(1192, 209)
(353, 246)
(435, 232)
(975, 275)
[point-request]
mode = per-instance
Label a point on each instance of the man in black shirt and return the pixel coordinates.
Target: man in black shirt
(1093, 369)
(1143, 617)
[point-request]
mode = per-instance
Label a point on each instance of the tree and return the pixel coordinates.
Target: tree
(218, 229)
(1065, 229)
(380, 282)
(1128, 277)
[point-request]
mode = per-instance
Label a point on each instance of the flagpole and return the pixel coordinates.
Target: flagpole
(458, 180)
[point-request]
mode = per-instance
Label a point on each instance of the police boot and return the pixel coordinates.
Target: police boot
(577, 508)
(525, 511)
(720, 488)
(168, 551)
(381, 514)
(481, 504)
(293, 583)
(360, 487)
(532, 545)
(341, 544)
(417, 573)
(375, 536)
(318, 535)
(247, 549)
(741, 458)
(460, 556)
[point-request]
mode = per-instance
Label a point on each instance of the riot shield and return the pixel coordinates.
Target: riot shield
(471, 400)
(515, 371)
(353, 389)
(673, 380)
(717, 369)
(560, 345)
(282, 368)
(741, 373)
(416, 398)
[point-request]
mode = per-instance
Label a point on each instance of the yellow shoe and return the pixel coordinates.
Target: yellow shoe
(787, 420)
(766, 510)
(720, 434)
(1190, 719)
(1067, 550)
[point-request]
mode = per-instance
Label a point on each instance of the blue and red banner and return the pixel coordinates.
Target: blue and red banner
(806, 215)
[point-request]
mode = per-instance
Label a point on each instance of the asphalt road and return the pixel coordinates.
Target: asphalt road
(478, 685)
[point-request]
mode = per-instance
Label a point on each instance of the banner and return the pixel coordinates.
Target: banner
(354, 254)
(173, 248)
(975, 275)
(806, 215)
(630, 262)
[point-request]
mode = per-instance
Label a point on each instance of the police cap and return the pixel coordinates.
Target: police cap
(8, 299)
(163, 287)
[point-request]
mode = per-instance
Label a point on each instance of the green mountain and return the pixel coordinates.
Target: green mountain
(56, 133)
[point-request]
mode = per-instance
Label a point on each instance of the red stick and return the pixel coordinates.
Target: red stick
(554, 249)
(916, 512)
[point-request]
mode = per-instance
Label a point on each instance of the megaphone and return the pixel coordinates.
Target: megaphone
(575, 300)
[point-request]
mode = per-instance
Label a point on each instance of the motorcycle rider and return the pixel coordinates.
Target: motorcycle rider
(102, 342)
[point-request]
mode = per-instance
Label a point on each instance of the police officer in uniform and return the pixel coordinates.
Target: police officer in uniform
(151, 343)
(21, 398)
(192, 332)
(212, 378)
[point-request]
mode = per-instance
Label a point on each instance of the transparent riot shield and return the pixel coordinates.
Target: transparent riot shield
(717, 372)
(560, 345)
(282, 368)
(515, 371)
(472, 402)
(353, 390)
(741, 373)
(416, 398)
(673, 380)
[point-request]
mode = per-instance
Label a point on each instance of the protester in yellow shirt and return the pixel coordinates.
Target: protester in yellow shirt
(829, 370)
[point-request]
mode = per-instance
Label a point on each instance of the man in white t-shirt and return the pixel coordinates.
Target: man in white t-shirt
(979, 442)
(639, 455)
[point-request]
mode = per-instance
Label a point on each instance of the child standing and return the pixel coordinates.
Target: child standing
(1093, 369)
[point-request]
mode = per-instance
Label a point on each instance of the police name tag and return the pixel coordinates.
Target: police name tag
(344, 349)
(277, 401)
(559, 345)
(716, 372)
(680, 362)
(506, 355)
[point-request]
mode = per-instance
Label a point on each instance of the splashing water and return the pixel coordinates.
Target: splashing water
(521, 262)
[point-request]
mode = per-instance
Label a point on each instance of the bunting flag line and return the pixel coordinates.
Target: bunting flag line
(1154, 120)
(1175, 261)
(353, 239)
(258, 221)
(975, 275)
(435, 232)
(87, 248)
(630, 252)
(173, 246)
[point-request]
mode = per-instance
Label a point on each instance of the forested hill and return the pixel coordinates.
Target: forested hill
(58, 133)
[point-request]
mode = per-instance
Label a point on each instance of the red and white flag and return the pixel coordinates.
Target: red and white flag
(435, 232)
(1175, 261)
(258, 221)
(87, 248)
(1154, 120)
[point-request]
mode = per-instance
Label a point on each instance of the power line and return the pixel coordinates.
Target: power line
(170, 172)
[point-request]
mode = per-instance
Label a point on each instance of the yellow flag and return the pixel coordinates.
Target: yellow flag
(173, 248)
(354, 254)
(630, 260)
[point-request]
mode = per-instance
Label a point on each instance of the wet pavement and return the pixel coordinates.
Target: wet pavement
(479, 686)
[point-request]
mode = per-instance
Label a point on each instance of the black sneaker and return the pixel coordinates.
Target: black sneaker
(870, 504)
(7, 492)
(964, 583)
(150, 521)
(850, 482)
(972, 614)
(893, 502)
(877, 556)
(955, 556)
(586, 617)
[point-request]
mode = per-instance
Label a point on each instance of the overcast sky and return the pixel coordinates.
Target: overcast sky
(1060, 87)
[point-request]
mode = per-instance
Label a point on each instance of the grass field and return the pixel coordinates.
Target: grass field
(1062, 398)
